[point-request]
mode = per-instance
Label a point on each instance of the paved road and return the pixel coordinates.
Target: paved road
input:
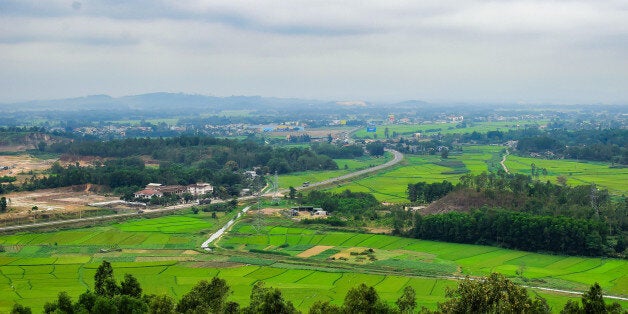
(222, 230)
(397, 158)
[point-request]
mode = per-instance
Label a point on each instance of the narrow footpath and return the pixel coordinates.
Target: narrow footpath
(504, 160)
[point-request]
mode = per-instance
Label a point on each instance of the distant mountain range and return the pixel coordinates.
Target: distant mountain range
(179, 101)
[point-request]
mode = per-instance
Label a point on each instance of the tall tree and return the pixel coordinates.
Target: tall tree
(407, 301)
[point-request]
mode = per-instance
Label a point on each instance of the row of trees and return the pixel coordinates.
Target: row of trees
(516, 230)
(345, 202)
(182, 160)
(494, 294)
(213, 152)
(423, 192)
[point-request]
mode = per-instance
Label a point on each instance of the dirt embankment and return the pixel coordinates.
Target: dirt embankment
(465, 200)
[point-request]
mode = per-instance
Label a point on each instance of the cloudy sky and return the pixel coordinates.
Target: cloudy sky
(385, 50)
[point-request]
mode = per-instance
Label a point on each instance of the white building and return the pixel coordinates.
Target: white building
(200, 189)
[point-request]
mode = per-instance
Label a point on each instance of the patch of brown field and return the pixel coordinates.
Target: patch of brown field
(84, 161)
(266, 211)
(379, 230)
(20, 166)
(347, 253)
(314, 251)
(466, 199)
(190, 252)
(50, 201)
(136, 251)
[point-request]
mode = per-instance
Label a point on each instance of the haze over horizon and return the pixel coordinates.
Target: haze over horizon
(565, 52)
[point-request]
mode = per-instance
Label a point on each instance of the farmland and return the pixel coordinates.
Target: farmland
(345, 166)
(390, 185)
(427, 129)
(161, 253)
(576, 172)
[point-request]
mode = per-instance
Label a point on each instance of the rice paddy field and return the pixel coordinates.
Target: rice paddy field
(437, 259)
(163, 254)
(576, 172)
(427, 129)
(390, 185)
(345, 166)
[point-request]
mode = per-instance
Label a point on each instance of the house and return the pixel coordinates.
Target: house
(200, 189)
(148, 194)
(172, 189)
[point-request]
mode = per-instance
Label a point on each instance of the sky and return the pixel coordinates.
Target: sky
(549, 51)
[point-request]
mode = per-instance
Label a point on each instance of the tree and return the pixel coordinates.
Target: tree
(364, 299)
(3, 204)
(104, 283)
(161, 304)
(20, 309)
(375, 148)
(293, 192)
(407, 301)
(593, 300)
(268, 300)
(320, 307)
(205, 295)
(130, 286)
(444, 153)
(494, 294)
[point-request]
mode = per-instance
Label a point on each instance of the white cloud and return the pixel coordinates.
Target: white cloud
(564, 51)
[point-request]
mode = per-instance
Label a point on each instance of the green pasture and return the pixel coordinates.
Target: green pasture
(390, 185)
(576, 172)
(296, 179)
(162, 253)
(444, 259)
(427, 129)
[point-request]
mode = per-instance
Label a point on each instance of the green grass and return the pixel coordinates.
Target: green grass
(296, 179)
(390, 185)
(439, 258)
(444, 128)
(34, 269)
(577, 173)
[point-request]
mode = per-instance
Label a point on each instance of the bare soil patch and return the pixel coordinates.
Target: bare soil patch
(23, 166)
(314, 251)
(66, 199)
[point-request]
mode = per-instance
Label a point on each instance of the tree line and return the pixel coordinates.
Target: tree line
(513, 211)
(493, 294)
(515, 230)
(182, 160)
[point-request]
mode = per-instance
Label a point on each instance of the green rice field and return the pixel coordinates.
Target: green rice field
(427, 129)
(296, 179)
(163, 254)
(432, 258)
(390, 185)
(576, 172)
